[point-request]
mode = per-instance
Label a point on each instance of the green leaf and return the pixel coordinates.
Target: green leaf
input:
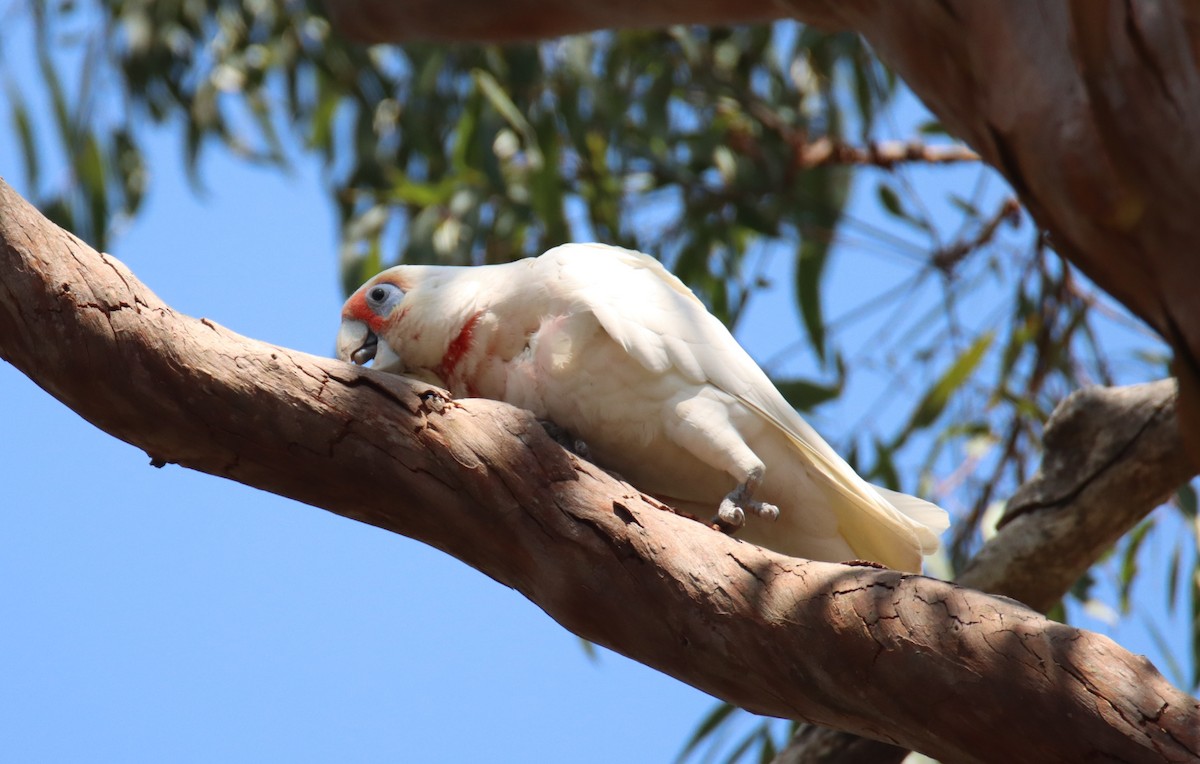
(804, 395)
(965, 206)
(24, 129)
(589, 650)
(1173, 574)
(266, 128)
(884, 471)
(708, 724)
(1129, 563)
(810, 265)
(1185, 498)
(740, 750)
(890, 200)
(1057, 612)
(1196, 625)
(892, 203)
(58, 101)
(768, 752)
(1082, 588)
(193, 140)
(89, 168)
(691, 266)
(418, 194)
(466, 134)
(503, 104)
(864, 91)
(131, 168)
(547, 190)
(59, 212)
(932, 127)
(935, 399)
(321, 130)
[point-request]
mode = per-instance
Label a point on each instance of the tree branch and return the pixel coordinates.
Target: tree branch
(826, 643)
(824, 152)
(1112, 455)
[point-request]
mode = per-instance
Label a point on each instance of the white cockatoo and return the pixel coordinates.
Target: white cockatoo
(612, 347)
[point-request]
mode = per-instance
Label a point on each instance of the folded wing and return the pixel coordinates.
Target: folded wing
(658, 321)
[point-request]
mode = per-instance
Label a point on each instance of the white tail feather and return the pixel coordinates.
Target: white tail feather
(931, 519)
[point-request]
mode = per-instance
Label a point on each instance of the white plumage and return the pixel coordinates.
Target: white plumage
(611, 346)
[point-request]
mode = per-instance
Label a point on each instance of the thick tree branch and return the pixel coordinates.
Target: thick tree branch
(1112, 455)
(1089, 108)
(826, 643)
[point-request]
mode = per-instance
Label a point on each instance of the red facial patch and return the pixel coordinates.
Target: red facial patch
(458, 347)
(357, 308)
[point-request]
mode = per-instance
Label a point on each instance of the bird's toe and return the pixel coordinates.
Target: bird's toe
(730, 515)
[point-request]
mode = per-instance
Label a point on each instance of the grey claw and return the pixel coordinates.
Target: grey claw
(764, 510)
(562, 437)
(730, 514)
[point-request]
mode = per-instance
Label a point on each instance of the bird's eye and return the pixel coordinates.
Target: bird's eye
(381, 298)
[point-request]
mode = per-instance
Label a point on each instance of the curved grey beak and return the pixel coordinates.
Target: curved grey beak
(356, 342)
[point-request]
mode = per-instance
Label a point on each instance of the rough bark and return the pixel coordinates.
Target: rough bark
(1089, 108)
(835, 645)
(1111, 456)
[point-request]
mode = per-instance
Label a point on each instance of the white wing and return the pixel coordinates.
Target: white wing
(663, 325)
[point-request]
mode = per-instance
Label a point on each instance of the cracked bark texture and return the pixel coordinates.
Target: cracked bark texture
(835, 645)
(1112, 455)
(1089, 108)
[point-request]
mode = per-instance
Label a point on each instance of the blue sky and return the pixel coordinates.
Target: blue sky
(166, 614)
(156, 614)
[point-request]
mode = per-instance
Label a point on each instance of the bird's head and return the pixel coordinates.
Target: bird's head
(366, 318)
(409, 317)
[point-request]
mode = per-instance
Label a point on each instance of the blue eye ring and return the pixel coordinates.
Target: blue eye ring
(381, 298)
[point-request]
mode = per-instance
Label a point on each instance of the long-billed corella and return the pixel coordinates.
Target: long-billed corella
(613, 348)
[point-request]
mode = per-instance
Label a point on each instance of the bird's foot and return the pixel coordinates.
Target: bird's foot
(731, 513)
(565, 439)
(730, 516)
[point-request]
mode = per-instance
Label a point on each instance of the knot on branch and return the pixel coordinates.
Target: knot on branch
(1098, 429)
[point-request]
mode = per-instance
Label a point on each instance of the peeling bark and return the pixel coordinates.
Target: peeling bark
(834, 645)
(1089, 108)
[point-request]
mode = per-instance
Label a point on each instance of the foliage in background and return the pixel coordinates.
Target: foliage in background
(686, 143)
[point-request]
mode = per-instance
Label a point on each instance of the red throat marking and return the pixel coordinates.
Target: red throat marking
(458, 347)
